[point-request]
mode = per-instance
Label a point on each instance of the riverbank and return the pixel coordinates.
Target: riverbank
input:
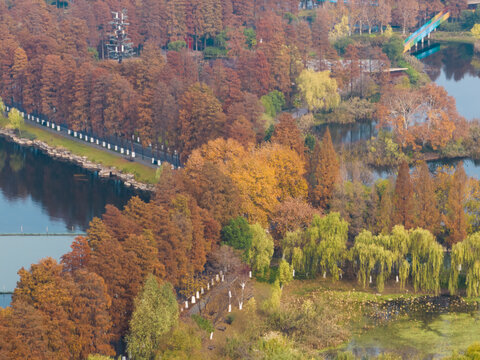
(138, 176)
(453, 37)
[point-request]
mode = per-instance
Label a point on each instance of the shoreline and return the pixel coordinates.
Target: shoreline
(63, 154)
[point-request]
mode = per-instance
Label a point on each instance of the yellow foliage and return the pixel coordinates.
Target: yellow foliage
(318, 90)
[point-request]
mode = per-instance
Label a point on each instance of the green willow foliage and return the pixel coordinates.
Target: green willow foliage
(321, 247)
(466, 255)
(427, 261)
(383, 255)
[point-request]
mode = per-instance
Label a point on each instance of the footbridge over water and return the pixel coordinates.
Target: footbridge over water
(426, 29)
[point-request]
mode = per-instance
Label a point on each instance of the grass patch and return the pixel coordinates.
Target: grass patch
(458, 37)
(141, 172)
(203, 323)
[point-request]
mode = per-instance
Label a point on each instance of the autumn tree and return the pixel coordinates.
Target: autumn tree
(427, 215)
(200, 118)
(455, 221)
(406, 13)
(325, 172)
(287, 133)
(403, 213)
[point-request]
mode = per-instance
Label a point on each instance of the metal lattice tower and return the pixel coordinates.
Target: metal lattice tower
(119, 46)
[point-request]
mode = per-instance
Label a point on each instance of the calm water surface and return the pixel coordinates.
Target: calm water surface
(40, 195)
(457, 69)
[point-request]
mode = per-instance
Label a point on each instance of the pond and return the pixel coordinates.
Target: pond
(41, 195)
(430, 328)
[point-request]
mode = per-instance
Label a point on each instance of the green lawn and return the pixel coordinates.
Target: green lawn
(142, 172)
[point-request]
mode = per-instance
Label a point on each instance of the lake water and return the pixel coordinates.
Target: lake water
(42, 195)
(457, 69)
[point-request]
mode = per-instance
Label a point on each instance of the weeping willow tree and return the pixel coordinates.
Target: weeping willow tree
(383, 255)
(466, 255)
(380, 255)
(320, 248)
(427, 260)
(326, 240)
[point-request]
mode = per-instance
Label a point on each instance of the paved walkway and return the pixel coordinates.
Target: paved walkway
(142, 155)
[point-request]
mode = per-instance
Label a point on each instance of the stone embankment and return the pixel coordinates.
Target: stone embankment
(65, 155)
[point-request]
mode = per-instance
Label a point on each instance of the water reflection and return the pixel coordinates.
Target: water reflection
(37, 192)
(454, 68)
(348, 133)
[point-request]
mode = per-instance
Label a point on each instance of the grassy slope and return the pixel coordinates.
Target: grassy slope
(142, 172)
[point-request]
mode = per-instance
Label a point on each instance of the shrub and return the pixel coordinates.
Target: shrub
(211, 52)
(177, 45)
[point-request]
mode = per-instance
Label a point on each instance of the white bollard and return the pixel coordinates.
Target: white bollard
(293, 273)
(86, 137)
(250, 274)
(370, 279)
(92, 140)
(229, 307)
(211, 335)
(48, 123)
(193, 299)
(128, 152)
(186, 304)
(116, 148)
(38, 120)
(223, 278)
(53, 126)
(75, 134)
(159, 162)
(198, 295)
(153, 161)
(69, 131)
(217, 278)
(122, 151)
(108, 146)
(324, 274)
(98, 142)
(80, 136)
(396, 278)
(28, 116)
(104, 143)
(133, 154)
